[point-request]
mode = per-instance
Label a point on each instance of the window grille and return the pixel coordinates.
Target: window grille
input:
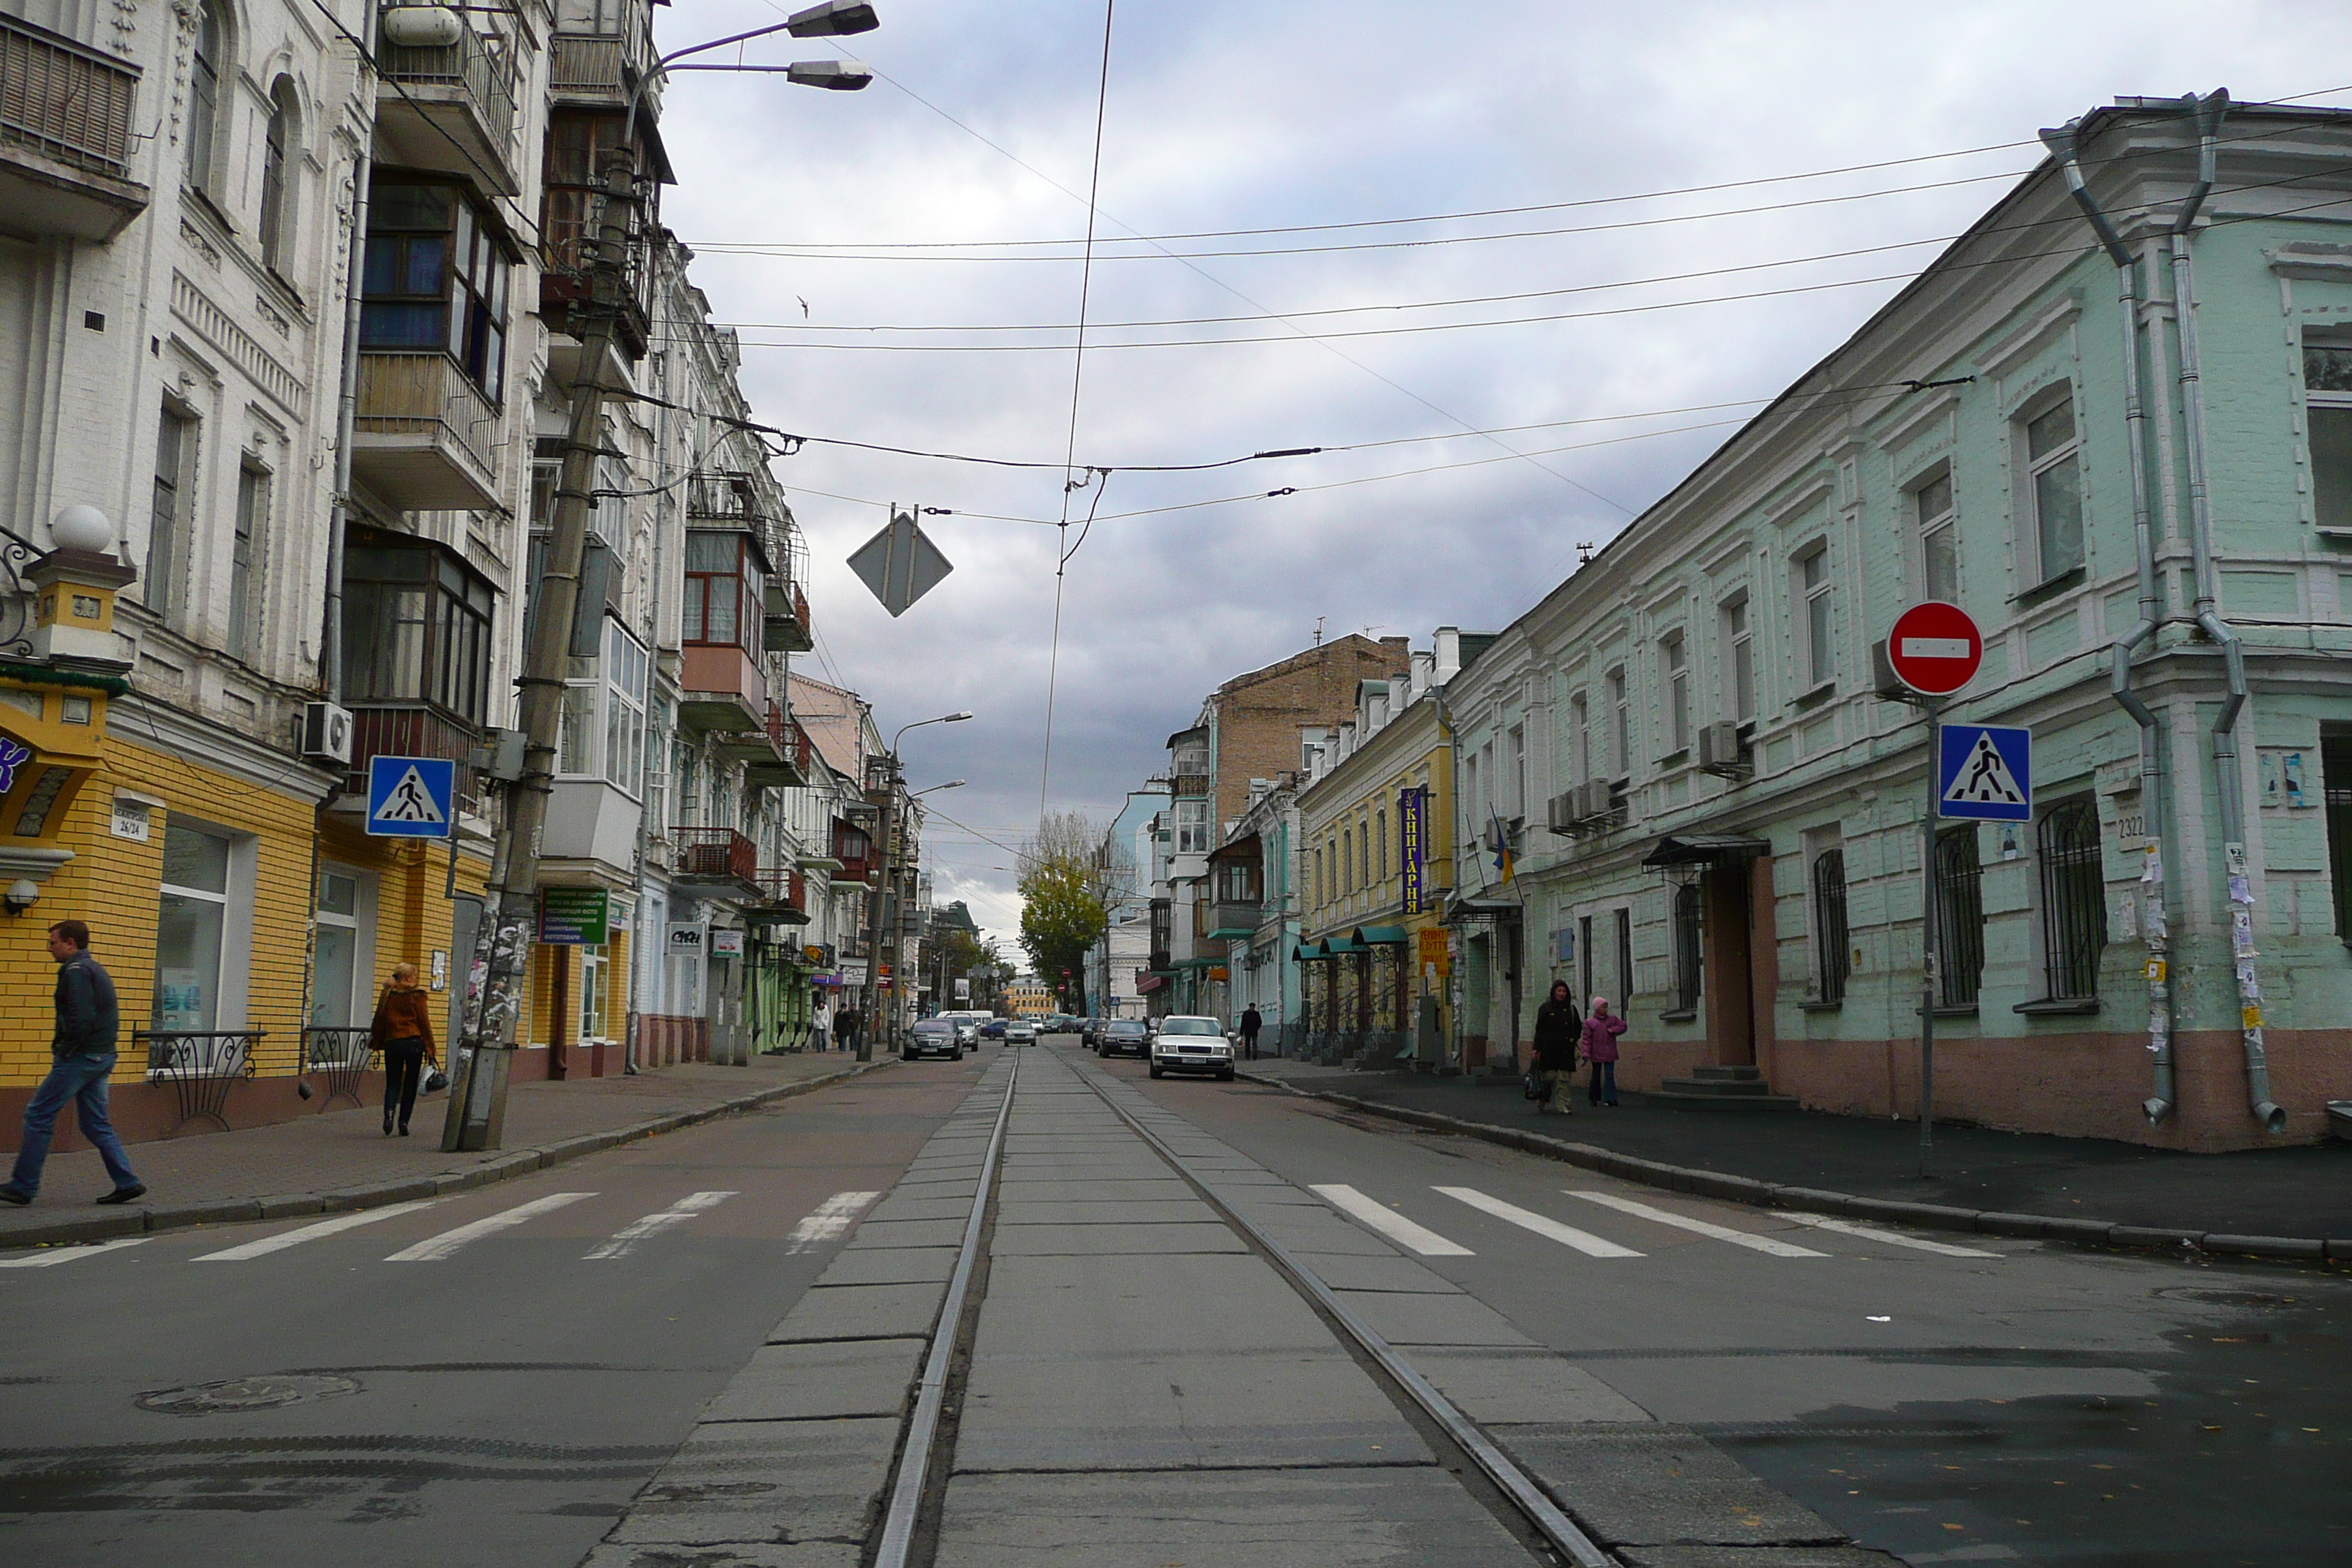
(1624, 960)
(1828, 923)
(2335, 781)
(1959, 917)
(2073, 902)
(1687, 946)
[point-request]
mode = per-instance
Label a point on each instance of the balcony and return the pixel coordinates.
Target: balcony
(721, 690)
(787, 628)
(449, 107)
(65, 138)
(413, 732)
(774, 756)
(853, 849)
(1189, 781)
(1231, 919)
(719, 862)
(783, 898)
(425, 436)
(600, 68)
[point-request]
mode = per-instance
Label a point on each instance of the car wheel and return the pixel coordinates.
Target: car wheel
(1226, 1076)
(1155, 1069)
(906, 1056)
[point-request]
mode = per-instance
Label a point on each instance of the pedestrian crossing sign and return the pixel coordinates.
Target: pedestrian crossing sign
(1986, 772)
(411, 797)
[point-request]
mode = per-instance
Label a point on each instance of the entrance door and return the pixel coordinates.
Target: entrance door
(1729, 989)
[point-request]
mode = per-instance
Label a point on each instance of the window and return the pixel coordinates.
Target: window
(1470, 794)
(1687, 963)
(1939, 539)
(1517, 805)
(1741, 666)
(273, 225)
(168, 525)
(416, 626)
(335, 990)
(1813, 590)
(435, 280)
(204, 97)
(1831, 961)
(724, 589)
(596, 993)
(1347, 861)
(1624, 960)
(2073, 902)
(1322, 896)
(245, 553)
(1580, 728)
(2055, 484)
(1959, 917)
(1621, 736)
(603, 729)
(1675, 661)
(1193, 827)
(1584, 960)
(190, 930)
(2327, 400)
(1381, 838)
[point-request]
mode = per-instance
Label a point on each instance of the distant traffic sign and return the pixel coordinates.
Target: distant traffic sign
(411, 797)
(1986, 772)
(1934, 648)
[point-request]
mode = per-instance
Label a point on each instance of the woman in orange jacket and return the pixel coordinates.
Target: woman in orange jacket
(404, 1032)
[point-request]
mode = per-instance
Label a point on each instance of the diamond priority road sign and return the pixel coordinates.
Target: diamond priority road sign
(900, 563)
(411, 797)
(1985, 772)
(1934, 648)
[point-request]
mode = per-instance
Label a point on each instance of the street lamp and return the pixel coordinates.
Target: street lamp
(833, 20)
(881, 898)
(951, 784)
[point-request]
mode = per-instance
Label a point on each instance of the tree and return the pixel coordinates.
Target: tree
(1065, 882)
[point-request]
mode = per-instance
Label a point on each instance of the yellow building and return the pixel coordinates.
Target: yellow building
(1028, 998)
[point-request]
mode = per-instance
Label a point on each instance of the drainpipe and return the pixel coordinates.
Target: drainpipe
(347, 405)
(2229, 786)
(2066, 144)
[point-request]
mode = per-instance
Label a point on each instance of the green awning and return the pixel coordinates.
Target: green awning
(1306, 951)
(1382, 936)
(1341, 947)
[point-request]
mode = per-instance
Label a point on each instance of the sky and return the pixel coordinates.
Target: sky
(952, 193)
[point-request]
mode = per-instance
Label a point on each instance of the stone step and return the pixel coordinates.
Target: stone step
(1729, 1074)
(1679, 1099)
(1718, 1087)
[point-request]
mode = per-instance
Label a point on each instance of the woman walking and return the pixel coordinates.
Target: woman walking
(1555, 1040)
(404, 1032)
(1601, 1028)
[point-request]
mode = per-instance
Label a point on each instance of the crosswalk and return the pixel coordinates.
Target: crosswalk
(1388, 1220)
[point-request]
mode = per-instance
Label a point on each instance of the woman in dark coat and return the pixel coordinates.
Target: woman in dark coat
(1557, 1027)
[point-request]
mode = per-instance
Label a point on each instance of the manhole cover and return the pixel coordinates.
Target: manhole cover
(231, 1393)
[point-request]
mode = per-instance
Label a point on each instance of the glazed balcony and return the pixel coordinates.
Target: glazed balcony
(66, 115)
(722, 690)
(449, 107)
(1189, 779)
(425, 436)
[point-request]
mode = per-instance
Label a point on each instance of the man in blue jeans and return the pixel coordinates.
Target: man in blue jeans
(81, 1056)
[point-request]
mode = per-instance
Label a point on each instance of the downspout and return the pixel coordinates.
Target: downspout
(2065, 145)
(2228, 786)
(347, 407)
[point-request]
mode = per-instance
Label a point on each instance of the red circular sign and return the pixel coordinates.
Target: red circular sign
(1934, 648)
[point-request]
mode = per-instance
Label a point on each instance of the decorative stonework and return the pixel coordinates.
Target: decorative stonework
(197, 242)
(125, 28)
(213, 323)
(270, 314)
(184, 48)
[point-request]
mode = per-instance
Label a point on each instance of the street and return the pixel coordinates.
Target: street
(519, 1374)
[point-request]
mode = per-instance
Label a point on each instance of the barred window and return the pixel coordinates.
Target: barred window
(1831, 963)
(2074, 902)
(1959, 917)
(1687, 961)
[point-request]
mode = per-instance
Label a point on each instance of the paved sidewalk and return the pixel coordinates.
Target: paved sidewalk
(2302, 1191)
(341, 1159)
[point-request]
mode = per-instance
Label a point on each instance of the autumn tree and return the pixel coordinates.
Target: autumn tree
(1068, 878)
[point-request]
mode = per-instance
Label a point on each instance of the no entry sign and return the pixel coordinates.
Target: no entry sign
(1934, 648)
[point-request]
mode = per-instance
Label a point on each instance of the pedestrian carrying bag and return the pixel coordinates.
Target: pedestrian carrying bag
(1531, 1083)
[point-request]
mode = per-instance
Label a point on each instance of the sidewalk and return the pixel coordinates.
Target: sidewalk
(2081, 1187)
(341, 1159)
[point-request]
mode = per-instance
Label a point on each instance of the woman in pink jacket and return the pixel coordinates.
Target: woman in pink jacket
(1599, 1046)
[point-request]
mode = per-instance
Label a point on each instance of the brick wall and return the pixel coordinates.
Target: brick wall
(1259, 715)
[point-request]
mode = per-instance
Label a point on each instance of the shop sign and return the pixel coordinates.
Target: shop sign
(687, 939)
(727, 944)
(813, 955)
(1411, 827)
(853, 973)
(575, 917)
(1435, 958)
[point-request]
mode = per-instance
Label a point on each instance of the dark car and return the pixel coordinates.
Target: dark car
(1089, 1032)
(1123, 1037)
(993, 1030)
(933, 1038)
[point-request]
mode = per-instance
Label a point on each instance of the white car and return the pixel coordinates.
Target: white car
(1191, 1045)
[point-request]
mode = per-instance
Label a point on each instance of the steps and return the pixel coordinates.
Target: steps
(1720, 1088)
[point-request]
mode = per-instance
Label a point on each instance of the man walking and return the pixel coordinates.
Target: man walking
(845, 1027)
(82, 1055)
(1251, 1025)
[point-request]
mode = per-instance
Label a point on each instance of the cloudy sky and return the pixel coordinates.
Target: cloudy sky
(1637, 307)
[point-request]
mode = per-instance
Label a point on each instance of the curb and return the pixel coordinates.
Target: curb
(1758, 1193)
(500, 1167)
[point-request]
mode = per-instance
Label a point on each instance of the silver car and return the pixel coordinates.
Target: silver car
(1191, 1045)
(1020, 1032)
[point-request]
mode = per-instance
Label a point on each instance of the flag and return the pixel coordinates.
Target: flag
(1500, 841)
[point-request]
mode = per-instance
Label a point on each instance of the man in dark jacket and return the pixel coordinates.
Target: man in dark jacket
(1252, 1022)
(1557, 1024)
(81, 1055)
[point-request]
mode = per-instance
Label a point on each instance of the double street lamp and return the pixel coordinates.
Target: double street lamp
(888, 786)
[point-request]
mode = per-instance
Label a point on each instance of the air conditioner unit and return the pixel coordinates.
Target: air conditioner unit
(1559, 812)
(1593, 799)
(1719, 751)
(325, 734)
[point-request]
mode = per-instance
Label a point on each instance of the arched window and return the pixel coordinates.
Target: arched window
(203, 94)
(276, 225)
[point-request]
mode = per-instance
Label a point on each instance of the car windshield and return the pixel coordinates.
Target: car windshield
(1190, 1026)
(933, 1026)
(1127, 1027)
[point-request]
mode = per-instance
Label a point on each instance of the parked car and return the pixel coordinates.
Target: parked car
(1020, 1032)
(1124, 1037)
(1191, 1045)
(933, 1038)
(993, 1030)
(1090, 1032)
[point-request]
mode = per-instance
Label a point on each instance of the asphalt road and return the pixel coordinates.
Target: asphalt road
(495, 1377)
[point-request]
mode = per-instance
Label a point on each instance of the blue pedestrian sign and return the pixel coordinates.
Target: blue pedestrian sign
(411, 797)
(1986, 772)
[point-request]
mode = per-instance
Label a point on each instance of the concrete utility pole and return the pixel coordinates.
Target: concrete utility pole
(883, 856)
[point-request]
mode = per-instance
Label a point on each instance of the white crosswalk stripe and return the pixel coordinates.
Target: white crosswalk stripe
(1389, 1223)
(828, 1221)
(335, 1226)
(1584, 1241)
(1764, 1244)
(677, 1213)
(58, 1255)
(434, 1248)
(1871, 1232)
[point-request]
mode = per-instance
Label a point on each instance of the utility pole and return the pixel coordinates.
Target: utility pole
(878, 902)
(477, 1115)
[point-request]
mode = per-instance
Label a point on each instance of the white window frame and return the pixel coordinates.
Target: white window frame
(1816, 603)
(1517, 806)
(1192, 827)
(604, 703)
(1929, 527)
(1738, 622)
(2067, 454)
(1579, 713)
(2318, 403)
(1620, 737)
(1673, 674)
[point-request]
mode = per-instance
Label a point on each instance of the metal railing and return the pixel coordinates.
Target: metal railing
(467, 65)
(595, 62)
(715, 853)
(64, 101)
(201, 1065)
(425, 395)
(411, 730)
(341, 1056)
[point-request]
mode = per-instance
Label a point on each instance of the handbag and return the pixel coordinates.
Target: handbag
(435, 1081)
(1531, 1083)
